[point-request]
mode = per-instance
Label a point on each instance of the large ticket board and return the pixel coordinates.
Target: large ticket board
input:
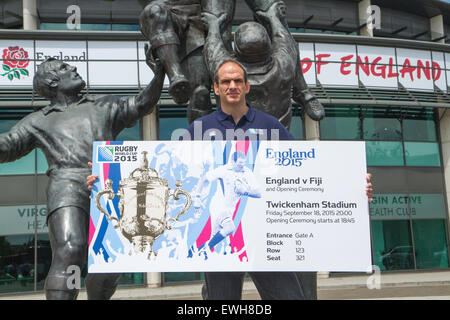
(162, 206)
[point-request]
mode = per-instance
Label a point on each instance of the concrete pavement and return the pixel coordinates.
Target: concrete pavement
(405, 285)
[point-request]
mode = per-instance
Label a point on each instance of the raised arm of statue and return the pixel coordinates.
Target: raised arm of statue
(16, 143)
(149, 97)
(215, 51)
(283, 44)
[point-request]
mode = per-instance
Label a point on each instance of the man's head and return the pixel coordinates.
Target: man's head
(231, 83)
(53, 76)
(252, 43)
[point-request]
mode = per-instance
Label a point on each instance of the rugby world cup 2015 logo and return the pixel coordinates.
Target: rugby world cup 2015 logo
(105, 154)
(15, 62)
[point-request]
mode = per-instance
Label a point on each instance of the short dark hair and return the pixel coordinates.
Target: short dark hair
(45, 74)
(216, 73)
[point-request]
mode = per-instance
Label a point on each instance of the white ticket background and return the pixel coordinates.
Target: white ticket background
(303, 207)
(330, 228)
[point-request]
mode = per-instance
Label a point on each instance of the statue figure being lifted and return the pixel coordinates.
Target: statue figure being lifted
(176, 36)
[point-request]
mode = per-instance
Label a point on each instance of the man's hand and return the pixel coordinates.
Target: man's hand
(209, 20)
(154, 64)
(276, 11)
(369, 189)
(91, 178)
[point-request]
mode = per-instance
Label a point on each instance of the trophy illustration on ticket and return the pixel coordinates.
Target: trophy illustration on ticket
(143, 204)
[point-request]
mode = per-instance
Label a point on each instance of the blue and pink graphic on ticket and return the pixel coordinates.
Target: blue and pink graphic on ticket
(202, 232)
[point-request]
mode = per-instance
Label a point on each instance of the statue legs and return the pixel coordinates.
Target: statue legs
(159, 28)
(69, 240)
(200, 101)
(101, 286)
(68, 231)
(218, 7)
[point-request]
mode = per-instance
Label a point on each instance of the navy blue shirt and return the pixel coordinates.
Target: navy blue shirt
(254, 125)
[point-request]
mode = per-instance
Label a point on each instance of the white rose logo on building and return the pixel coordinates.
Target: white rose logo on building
(15, 61)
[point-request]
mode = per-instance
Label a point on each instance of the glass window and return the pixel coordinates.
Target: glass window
(44, 259)
(384, 153)
(6, 125)
(422, 154)
(341, 124)
(42, 165)
(183, 276)
(131, 278)
(430, 239)
(17, 263)
(419, 130)
(25, 165)
(296, 128)
(168, 125)
(91, 26)
(382, 129)
(130, 134)
(125, 27)
(392, 247)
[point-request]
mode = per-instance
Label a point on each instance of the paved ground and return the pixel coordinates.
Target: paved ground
(406, 285)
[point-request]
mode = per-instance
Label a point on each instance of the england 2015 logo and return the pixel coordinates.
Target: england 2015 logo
(290, 157)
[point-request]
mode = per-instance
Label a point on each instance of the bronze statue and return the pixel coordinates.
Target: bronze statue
(176, 37)
(65, 131)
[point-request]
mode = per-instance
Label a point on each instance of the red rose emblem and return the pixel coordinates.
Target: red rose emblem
(15, 57)
(15, 60)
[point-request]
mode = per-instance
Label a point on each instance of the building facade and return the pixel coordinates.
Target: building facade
(382, 70)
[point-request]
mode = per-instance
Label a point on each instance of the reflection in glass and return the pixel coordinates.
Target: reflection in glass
(392, 247)
(42, 165)
(168, 125)
(422, 154)
(341, 124)
(430, 240)
(17, 263)
(419, 130)
(382, 129)
(25, 165)
(130, 134)
(296, 128)
(384, 153)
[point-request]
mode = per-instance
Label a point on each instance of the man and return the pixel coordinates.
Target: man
(271, 62)
(234, 114)
(231, 86)
(237, 181)
(65, 131)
